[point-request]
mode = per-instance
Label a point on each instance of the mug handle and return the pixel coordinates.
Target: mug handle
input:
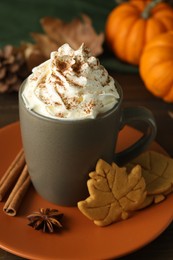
(132, 114)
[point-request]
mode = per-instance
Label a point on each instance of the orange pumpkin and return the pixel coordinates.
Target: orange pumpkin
(156, 66)
(133, 24)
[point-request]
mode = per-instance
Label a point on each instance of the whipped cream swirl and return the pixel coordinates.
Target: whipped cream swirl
(70, 85)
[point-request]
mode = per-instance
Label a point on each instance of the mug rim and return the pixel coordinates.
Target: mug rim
(69, 121)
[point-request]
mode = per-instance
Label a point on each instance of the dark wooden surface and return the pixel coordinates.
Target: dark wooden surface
(134, 94)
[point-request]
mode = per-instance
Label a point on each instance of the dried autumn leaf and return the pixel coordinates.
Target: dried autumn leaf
(74, 33)
(44, 44)
(157, 170)
(58, 32)
(113, 193)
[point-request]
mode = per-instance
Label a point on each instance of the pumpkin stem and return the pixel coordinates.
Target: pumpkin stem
(146, 13)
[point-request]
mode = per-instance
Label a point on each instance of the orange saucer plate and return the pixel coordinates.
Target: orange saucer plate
(80, 238)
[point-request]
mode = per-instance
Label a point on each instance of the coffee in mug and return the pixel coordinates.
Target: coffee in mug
(70, 116)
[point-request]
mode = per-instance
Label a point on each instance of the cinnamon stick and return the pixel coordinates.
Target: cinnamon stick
(15, 198)
(11, 175)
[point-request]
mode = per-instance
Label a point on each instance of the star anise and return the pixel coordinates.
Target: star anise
(46, 219)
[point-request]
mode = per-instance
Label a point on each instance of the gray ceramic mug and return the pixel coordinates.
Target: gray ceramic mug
(61, 153)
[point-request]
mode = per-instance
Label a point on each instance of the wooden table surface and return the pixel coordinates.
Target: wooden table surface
(134, 94)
